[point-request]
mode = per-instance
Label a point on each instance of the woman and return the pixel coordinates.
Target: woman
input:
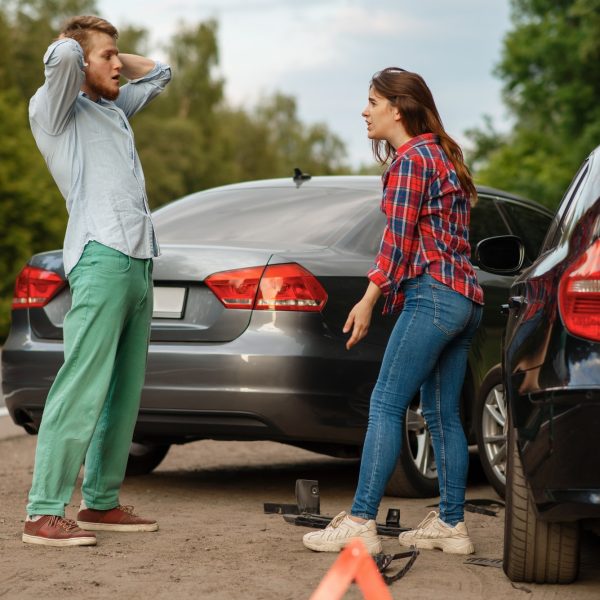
(424, 271)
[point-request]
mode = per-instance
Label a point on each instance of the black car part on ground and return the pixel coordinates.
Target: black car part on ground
(306, 513)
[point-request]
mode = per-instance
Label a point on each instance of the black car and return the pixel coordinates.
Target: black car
(551, 360)
(251, 293)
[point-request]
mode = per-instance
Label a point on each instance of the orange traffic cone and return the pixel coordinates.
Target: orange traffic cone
(353, 564)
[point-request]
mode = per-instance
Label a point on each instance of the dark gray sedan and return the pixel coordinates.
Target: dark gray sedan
(252, 289)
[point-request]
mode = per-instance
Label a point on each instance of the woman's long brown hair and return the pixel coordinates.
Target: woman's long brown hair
(409, 93)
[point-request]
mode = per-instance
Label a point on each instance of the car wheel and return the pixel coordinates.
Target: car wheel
(534, 551)
(144, 458)
(415, 475)
(490, 429)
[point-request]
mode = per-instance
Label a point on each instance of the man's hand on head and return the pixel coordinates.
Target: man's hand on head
(62, 36)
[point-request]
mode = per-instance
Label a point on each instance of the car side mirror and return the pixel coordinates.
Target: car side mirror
(503, 254)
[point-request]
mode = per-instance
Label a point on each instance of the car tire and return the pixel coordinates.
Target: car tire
(415, 475)
(490, 429)
(535, 551)
(144, 458)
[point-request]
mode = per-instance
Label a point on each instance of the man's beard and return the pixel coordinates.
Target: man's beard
(101, 90)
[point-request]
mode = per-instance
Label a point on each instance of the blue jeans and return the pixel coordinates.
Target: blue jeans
(427, 351)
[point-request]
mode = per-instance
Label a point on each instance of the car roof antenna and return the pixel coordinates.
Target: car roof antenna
(300, 177)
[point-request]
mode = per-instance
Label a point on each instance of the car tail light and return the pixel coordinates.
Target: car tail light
(276, 287)
(36, 287)
(579, 295)
(236, 289)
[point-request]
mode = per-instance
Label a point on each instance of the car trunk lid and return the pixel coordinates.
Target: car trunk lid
(185, 308)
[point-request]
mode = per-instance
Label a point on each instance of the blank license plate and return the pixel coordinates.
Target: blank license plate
(168, 302)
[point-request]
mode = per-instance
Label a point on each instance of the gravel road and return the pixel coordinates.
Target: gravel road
(215, 541)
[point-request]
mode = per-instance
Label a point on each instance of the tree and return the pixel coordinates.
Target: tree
(550, 67)
(32, 211)
(192, 140)
(35, 24)
(313, 148)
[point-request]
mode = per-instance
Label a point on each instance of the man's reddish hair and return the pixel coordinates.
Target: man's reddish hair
(79, 28)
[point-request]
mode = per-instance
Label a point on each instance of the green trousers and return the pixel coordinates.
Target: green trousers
(92, 406)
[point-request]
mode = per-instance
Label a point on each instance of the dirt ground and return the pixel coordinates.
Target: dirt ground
(215, 541)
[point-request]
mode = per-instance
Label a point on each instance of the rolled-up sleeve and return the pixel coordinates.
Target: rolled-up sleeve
(404, 188)
(137, 93)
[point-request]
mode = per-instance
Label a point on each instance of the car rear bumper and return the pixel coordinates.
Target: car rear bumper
(559, 449)
(263, 385)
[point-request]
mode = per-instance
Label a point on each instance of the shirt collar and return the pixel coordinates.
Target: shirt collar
(100, 100)
(418, 140)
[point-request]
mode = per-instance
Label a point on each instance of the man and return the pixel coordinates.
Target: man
(79, 119)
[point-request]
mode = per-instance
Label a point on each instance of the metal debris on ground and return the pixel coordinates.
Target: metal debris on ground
(307, 513)
(383, 561)
(307, 510)
(484, 562)
(321, 521)
(477, 505)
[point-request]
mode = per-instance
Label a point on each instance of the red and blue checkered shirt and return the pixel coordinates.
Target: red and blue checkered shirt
(427, 228)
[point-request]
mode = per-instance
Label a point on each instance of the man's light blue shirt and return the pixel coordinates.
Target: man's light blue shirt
(90, 151)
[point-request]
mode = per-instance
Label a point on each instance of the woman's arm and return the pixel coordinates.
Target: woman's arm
(359, 318)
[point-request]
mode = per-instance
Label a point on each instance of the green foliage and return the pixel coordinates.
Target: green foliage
(188, 140)
(192, 140)
(551, 72)
(32, 213)
(34, 24)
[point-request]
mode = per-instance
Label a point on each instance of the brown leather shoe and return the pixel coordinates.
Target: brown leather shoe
(120, 518)
(51, 530)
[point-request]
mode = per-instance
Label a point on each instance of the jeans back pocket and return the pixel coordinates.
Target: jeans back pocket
(452, 310)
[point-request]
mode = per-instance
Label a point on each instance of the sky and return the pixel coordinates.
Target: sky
(324, 52)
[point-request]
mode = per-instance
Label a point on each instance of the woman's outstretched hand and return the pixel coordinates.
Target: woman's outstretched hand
(359, 318)
(358, 322)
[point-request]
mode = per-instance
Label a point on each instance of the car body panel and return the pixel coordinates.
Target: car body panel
(553, 377)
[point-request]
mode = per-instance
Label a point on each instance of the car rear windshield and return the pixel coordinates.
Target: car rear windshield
(307, 215)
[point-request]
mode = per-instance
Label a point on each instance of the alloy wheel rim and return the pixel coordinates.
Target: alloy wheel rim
(419, 443)
(493, 427)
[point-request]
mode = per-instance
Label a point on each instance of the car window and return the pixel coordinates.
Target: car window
(529, 224)
(308, 215)
(486, 221)
(565, 213)
(366, 236)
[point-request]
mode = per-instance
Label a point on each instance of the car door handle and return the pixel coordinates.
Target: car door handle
(516, 302)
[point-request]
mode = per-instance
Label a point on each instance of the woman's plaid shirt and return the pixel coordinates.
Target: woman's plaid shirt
(427, 229)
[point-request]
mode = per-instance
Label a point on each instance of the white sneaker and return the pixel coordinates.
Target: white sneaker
(340, 531)
(433, 533)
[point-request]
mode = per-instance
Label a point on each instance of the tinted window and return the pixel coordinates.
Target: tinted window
(486, 222)
(529, 224)
(564, 215)
(308, 215)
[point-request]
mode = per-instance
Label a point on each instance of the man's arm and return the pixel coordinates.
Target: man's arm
(52, 105)
(135, 66)
(147, 79)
